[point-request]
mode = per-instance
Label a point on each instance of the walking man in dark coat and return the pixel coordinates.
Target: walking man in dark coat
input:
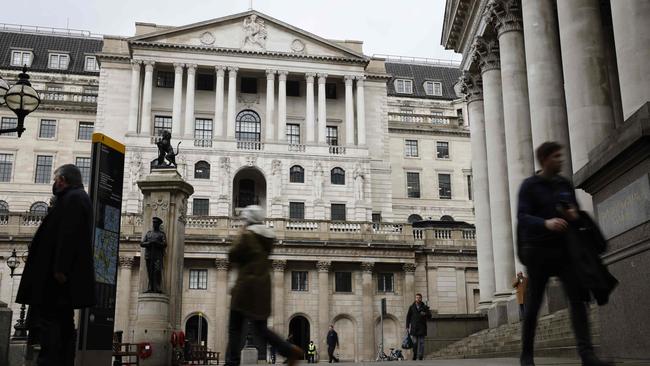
(251, 295)
(547, 207)
(332, 343)
(416, 325)
(59, 274)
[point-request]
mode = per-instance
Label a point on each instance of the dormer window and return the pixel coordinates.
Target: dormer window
(404, 86)
(91, 64)
(433, 88)
(20, 58)
(58, 61)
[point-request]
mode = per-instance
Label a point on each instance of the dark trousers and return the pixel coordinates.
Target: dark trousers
(311, 358)
(330, 353)
(418, 347)
(522, 311)
(236, 324)
(57, 335)
(542, 264)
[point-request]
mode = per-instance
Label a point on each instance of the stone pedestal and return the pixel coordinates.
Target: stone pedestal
(249, 356)
(152, 325)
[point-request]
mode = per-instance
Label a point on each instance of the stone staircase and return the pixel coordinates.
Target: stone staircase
(554, 339)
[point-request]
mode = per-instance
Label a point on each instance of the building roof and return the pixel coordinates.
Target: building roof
(419, 73)
(42, 44)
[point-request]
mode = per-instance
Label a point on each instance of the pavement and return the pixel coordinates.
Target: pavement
(539, 361)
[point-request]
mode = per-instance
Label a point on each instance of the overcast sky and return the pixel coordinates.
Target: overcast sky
(396, 27)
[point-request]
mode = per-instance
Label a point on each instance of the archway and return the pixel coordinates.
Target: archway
(347, 332)
(414, 218)
(391, 333)
(446, 218)
(249, 188)
(196, 330)
(299, 331)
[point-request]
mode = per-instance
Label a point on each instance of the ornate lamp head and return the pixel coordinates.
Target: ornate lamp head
(22, 99)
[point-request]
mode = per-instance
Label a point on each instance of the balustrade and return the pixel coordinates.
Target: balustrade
(337, 150)
(250, 145)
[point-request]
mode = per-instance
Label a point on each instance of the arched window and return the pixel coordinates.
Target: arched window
(446, 218)
(413, 218)
(202, 170)
(38, 208)
(297, 174)
(248, 126)
(337, 176)
(4, 207)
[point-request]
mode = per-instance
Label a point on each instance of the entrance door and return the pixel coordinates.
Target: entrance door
(299, 331)
(196, 330)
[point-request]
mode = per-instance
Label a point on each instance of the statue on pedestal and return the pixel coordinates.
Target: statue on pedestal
(165, 152)
(154, 244)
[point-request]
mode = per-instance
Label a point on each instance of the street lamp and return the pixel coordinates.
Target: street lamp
(20, 327)
(21, 98)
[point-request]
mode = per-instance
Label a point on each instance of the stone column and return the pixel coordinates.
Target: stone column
(270, 104)
(123, 298)
(221, 317)
(177, 104)
(473, 90)
(134, 101)
(548, 117)
(586, 82)
(349, 110)
(322, 109)
(632, 39)
(218, 102)
(145, 125)
(323, 305)
(232, 101)
(278, 296)
(504, 268)
(282, 105)
(309, 108)
(189, 101)
(368, 317)
(361, 112)
(506, 15)
(408, 294)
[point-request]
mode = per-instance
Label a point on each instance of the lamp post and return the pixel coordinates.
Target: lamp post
(20, 328)
(21, 98)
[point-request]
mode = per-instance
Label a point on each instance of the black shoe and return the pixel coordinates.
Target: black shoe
(526, 361)
(592, 360)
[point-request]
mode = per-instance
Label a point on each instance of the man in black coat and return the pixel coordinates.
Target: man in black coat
(547, 208)
(416, 325)
(59, 274)
(332, 343)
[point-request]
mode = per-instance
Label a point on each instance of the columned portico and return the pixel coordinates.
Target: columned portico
(134, 101)
(232, 101)
(270, 104)
(309, 108)
(218, 103)
(178, 98)
(322, 108)
(189, 101)
(145, 126)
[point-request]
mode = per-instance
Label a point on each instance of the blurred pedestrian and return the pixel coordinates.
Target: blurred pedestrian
(416, 325)
(520, 284)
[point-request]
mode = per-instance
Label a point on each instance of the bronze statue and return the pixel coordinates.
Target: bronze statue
(154, 244)
(165, 152)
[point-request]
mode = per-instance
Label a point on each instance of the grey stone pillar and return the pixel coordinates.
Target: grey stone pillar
(134, 100)
(309, 107)
(361, 111)
(177, 101)
(145, 125)
(322, 108)
(221, 305)
(218, 102)
(232, 102)
(368, 317)
(189, 101)
(123, 299)
(323, 305)
(349, 110)
(278, 296)
(409, 285)
(282, 105)
(270, 105)
(472, 85)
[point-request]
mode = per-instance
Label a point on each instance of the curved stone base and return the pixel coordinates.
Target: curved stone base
(152, 326)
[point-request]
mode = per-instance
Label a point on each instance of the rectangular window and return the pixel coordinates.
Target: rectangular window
(404, 86)
(338, 212)
(201, 207)
(293, 88)
(43, 169)
(293, 134)
(297, 210)
(332, 136)
(343, 281)
(248, 85)
(58, 61)
(160, 124)
(413, 184)
(411, 148)
(9, 122)
(385, 282)
(442, 150)
(470, 194)
(330, 90)
(203, 132)
(47, 129)
(444, 186)
(198, 279)
(376, 217)
(83, 164)
(85, 130)
(437, 88)
(205, 82)
(299, 281)
(6, 166)
(91, 64)
(164, 79)
(21, 58)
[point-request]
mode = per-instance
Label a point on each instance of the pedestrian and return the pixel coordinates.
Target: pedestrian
(332, 343)
(416, 325)
(311, 352)
(251, 295)
(520, 284)
(59, 274)
(547, 207)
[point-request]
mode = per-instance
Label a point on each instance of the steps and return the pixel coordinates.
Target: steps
(554, 339)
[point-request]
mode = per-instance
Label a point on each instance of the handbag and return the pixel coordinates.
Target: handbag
(407, 343)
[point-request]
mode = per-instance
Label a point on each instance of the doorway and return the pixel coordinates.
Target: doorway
(299, 331)
(249, 188)
(196, 330)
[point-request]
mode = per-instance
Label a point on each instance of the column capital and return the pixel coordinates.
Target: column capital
(505, 15)
(220, 70)
(232, 70)
(270, 74)
(221, 264)
(360, 79)
(486, 53)
(191, 68)
(279, 265)
(367, 267)
(310, 77)
(409, 267)
(136, 64)
(471, 86)
(323, 266)
(282, 75)
(178, 67)
(126, 262)
(148, 65)
(322, 78)
(348, 79)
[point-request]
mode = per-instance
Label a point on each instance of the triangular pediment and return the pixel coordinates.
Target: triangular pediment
(249, 31)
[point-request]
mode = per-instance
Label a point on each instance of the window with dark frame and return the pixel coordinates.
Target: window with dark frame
(160, 124)
(83, 163)
(293, 88)
(343, 281)
(376, 217)
(203, 132)
(248, 85)
(332, 136)
(4, 207)
(248, 126)
(293, 134)
(202, 170)
(337, 176)
(85, 131)
(43, 169)
(201, 207)
(444, 186)
(205, 82)
(470, 194)
(385, 282)
(330, 90)
(299, 281)
(338, 212)
(411, 148)
(164, 79)
(297, 210)
(6, 166)
(297, 174)
(47, 129)
(413, 184)
(9, 122)
(198, 279)
(442, 149)
(38, 208)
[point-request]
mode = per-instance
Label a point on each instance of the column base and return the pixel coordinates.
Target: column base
(152, 326)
